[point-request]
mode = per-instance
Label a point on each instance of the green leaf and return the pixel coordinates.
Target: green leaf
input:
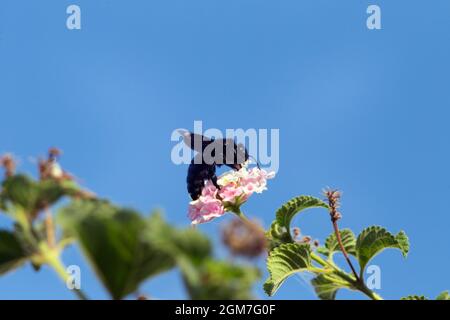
(443, 296)
(21, 191)
(12, 254)
(31, 196)
(220, 280)
(323, 251)
(284, 261)
(327, 286)
(332, 244)
(403, 243)
(373, 240)
(414, 297)
(277, 235)
(204, 277)
(51, 191)
(113, 239)
(187, 243)
(280, 229)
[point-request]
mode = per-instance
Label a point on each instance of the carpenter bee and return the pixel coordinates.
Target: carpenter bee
(212, 153)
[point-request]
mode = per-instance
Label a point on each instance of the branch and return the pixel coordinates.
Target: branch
(333, 197)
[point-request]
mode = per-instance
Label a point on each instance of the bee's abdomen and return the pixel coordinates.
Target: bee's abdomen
(197, 175)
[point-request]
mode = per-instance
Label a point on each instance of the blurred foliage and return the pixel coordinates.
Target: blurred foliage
(20, 192)
(12, 255)
(113, 241)
(220, 280)
(123, 247)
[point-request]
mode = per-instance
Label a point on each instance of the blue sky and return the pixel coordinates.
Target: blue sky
(363, 111)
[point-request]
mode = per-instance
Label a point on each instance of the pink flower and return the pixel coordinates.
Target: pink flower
(254, 180)
(235, 189)
(231, 193)
(207, 206)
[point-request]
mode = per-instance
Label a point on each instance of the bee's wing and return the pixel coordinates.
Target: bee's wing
(195, 141)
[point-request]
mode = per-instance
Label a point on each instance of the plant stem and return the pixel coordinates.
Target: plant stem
(321, 261)
(50, 228)
(372, 295)
(357, 284)
(51, 257)
(341, 245)
(333, 197)
(240, 214)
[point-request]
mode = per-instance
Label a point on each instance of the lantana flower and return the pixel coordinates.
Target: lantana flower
(235, 189)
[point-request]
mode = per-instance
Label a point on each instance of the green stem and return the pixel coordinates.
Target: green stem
(51, 257)
(372, 295)
(358, 284)
(321, 261)
(240, 214)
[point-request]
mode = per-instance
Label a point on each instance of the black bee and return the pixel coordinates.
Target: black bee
(211, 154)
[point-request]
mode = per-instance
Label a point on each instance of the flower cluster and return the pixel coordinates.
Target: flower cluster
(235, 189)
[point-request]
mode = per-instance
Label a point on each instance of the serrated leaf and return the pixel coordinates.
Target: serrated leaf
(443, 296)
(373, 240)
(280, 229)
(403, 243)
(284, 261)
(113, 239)
(323, 251)
(277, 235)
(414, 297)
(12, 254)
(327, 286)
(332, 245)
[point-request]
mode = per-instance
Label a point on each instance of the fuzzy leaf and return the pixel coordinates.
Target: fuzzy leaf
(332, 245)
(327, 286)
(284, 261)
(373, 240)
(280, 229)
(113, 239)
(12, 254)
(277, 235)
(323, 251)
